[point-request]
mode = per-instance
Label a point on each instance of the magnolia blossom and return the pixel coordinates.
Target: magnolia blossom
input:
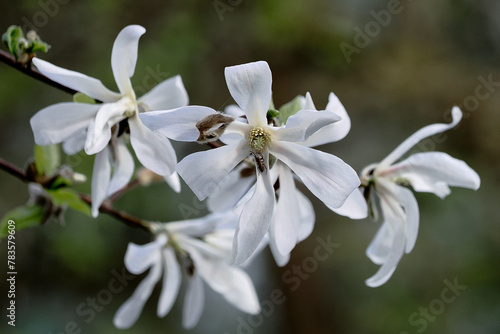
(294, 217)
(427, 172)
(200, 248)
(100, 128)
(326, 176)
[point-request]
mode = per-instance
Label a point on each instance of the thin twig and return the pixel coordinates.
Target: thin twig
(105, 207)
(27, 69)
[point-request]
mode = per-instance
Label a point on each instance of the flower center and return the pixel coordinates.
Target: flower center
(259, 139)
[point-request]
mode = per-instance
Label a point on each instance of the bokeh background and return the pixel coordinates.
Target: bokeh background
(407, 73)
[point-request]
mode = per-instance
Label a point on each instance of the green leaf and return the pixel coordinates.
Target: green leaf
(82, 98)
(272, 113)
(69, 198)
(38, 45)
(47, 159)
(11, 38)
(23, 216)
(290, 109)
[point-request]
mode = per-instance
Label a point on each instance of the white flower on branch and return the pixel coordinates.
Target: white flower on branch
(294, 217)
(99, 128)
(200, 247)
(430, 172)
(327, 177)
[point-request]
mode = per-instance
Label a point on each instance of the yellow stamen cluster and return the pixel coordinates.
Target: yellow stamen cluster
(259, 139)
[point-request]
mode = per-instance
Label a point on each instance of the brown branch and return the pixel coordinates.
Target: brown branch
(105, 207)
(27, 69)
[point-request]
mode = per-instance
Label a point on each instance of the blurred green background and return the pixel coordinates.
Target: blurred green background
(422, 59)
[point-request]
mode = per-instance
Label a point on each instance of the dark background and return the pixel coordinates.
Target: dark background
(427, 57)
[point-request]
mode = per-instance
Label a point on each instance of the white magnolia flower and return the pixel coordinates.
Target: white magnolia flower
(294, 216)
(427, 172)
(99, 128)
(200, 248)
(327, 177)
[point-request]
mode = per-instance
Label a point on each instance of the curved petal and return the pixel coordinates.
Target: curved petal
(254, 220)
(177, 124)
(354, 207)
(130, 311)
(332, 132)
(287, 217)
(434, 172)
(77, 81)
(194, 300)
(307, 217)
(168, 94)
(171, 282)
(123, 167)
(139, 258)
(280, 259)
(154, 151)
(75, 143)
(231, 189)
(173, 181)
(387, 269)
(99, 130)
(124, 57)
(203, 171)
(326, 176)
(425, 132)
(304, 123)
(250, 86)
(100, 179)
(230, 281)
(60, 122)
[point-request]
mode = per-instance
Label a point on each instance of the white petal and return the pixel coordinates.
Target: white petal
(230, 281)
(332, 132)
(77, 81)
(177, 124)
(307, 217)
(425, 132)
(60, 122)
(287, 214)
(130, 311)
(171, 282)
(387, 269)
(230, 190)
(254, 220)
(124, 57)
(250, 86)
(326, 176)
(234, 110)
(304, 123)
(154, 151)
(434, 172)
(123, 167)
(194, 300)
(168, 94)
(173, 181)
(100, 179)
(307, 102)
(99, 130)
(203, 171)
(281, 260)
(354, 207)
(76, 143)
(198, 227)
(139, 258)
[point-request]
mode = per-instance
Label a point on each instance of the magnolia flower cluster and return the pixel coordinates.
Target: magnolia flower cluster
(249, 179)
